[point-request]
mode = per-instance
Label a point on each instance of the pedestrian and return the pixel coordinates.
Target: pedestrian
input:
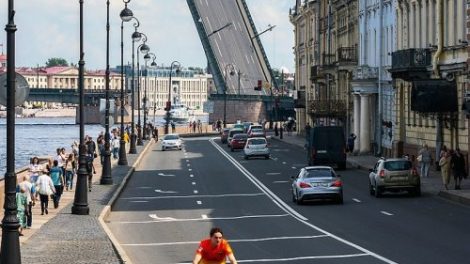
(45, 188)
(458, 168)
(425, 159)
(199, 126)
(101, 148)
(61, 158)
(444, 164)
(173, 127)
(219, 125)
(155, 132)
(194, 126)
(307, 131)
(29, 191)
(214, 250)
(91, 151)
(351, 139)
(70, 169)
(90, 166)
(281, 132)
(34, 169)
(276, 132)
(58, 180)
(190, 125)
(116, 143)
(21, 208)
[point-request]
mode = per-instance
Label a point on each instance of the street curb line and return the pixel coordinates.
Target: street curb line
(107, 209)
(450, 196)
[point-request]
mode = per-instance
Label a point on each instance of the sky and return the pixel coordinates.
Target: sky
(50, 28)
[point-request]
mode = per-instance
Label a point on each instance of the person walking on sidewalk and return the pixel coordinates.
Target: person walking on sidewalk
(58, 180)
(115, 143)
(425, 158)
(458, 168)
(444, 164)
(34, 169)
(214, 250)
(29, 191)
(70, 166)
(44, 187)
(21, 208)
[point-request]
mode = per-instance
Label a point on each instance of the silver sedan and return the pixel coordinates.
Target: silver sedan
(317, 182)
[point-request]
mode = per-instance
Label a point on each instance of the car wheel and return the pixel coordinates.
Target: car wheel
(371, 189)
(378, 191)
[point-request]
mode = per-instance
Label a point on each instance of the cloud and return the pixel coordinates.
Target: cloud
(50, 28)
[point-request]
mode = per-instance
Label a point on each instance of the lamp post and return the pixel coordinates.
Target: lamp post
(144, 49)
(106, 171)
(10, 248)
(126, 15)
(168, 103)
(146, 58)
(232, 72)
(136, 36)
(154, 64)
(80, 203)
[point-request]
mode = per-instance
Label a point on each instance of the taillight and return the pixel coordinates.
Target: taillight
(337, 183)
(304, 185)
(382, 173)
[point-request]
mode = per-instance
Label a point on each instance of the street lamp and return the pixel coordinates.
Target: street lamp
(126, 15)
(10, 248)
(80, 203)
(144, 49)
(106, 171)
(232, 72)
(136, 36)
(154, 64)
(146, 58)
(168, 103)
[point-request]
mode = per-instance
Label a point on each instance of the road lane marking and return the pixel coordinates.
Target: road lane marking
(138, 201)
(164, 192)
(195, 192)
(190, 169)
(191, 175)
(282, 205)
(158, 219)
(166, 175)
(294, 168)
(187, 160)
(275, 159)
(280, 181)
(356, 200)
(297, 258)
(144, 187)
(199, 202)
(193, 183)
(386, 213)
(273, 173)
(231, 241)
(204, 216)
(189, 165)
(195, 196)
(284, 162)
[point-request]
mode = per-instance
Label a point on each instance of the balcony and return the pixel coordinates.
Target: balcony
(347, 55)
(411, 64)
(315, 73)
(328, 108)
(328, 60)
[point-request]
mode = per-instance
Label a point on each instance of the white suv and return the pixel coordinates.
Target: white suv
(256, 147)
(394, 175)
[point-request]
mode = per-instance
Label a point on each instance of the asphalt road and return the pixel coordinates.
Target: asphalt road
(231, 45)
(175, 197)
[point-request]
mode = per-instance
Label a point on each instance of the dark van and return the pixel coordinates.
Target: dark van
(326, 146)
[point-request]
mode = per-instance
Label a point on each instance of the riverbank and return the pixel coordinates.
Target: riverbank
(24, 113)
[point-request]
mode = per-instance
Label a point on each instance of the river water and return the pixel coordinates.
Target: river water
(42, 136)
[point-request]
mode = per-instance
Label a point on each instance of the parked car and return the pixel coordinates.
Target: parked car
(394, 175)
(238, 141)
(317, 182)
(327, 146)
(256, 147)
(253, 127)
(232, 133)
(257, 132)
(172, 141)
(224, 135)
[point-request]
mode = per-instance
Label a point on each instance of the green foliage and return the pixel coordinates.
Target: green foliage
(56, 62)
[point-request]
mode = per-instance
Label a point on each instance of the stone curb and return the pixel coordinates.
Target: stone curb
(450, 195)
(107, 209)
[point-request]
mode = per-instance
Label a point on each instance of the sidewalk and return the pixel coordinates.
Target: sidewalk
(61, 237)
(432, 185)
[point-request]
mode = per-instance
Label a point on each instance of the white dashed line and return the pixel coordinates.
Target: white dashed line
(199, 202)
(386, 213)
(284, 162)
(280, 181)
(193, 183)
(187, 160)
(356, 200)
(195, 192)
(138, 201)
(191, 175)
(190, 170)
(189, 165)
(294, 168)
(204, 216)
(273, 173)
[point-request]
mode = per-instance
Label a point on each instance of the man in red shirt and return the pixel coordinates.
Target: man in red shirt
(214, 250)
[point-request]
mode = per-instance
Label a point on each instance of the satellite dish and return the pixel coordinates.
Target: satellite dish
(21, 89)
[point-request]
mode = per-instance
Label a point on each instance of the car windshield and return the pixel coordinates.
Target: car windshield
(257, 141)
(256, 127)
(318, 173)
(171, 137)
(257, 130)
(397, 165)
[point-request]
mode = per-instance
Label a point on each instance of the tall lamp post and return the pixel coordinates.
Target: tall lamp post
(146, 58)
(154, 64)
(232, 72)
(80, 203)
(126, 15)
(10, 249)
(168, 103)
(136, 36)
(106, 171)
(144, 49)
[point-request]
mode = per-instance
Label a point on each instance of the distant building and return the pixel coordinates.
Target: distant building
(3, 63)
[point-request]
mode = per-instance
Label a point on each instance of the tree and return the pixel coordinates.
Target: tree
(56, 62)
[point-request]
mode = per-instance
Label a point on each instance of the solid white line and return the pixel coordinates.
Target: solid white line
(290, 210)
(386, 213)
(195, 196)
(171, 219)
(280, 181)
(138, 201)
(273, 173)
(231, 241)
(356, 200)
(199, 202)
(296, 258)
(204, 216)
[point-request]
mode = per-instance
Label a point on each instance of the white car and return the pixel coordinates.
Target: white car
(172, 141)
(256, 147)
